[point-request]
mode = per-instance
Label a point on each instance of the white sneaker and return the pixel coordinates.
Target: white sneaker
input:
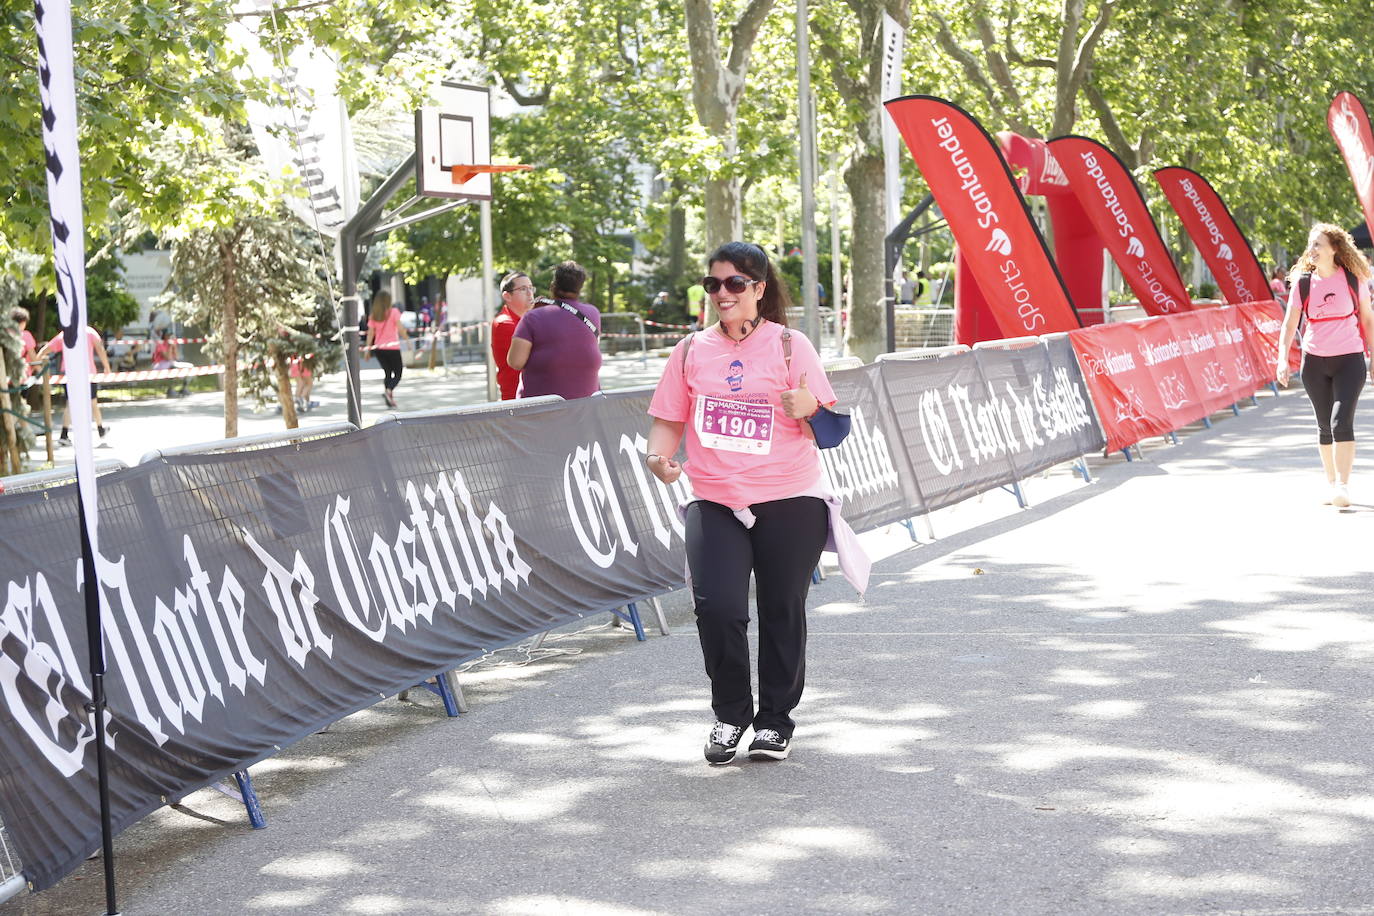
(1340, 496)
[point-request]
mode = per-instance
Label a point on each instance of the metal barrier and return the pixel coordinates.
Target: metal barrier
(842, 362)
(55, 477)
(825, 315)
(250, 443)
(925, 352)
(923, 327)
(11, 870)
(484, 407)
(1008, 343)
(615, 342)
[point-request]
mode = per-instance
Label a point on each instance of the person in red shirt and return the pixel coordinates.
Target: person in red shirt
(517, 295)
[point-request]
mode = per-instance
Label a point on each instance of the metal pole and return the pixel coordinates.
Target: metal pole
(95, 647)
(807, 126)
(348, 260)
(488, 296)
(836, 272)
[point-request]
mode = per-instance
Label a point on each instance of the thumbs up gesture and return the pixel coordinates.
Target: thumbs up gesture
(799, 403)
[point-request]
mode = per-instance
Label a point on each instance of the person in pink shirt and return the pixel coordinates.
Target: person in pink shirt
(756, 473)
(96, 348)
(29, 347)
(384, 335)
(1277, 284)
(1329, 286)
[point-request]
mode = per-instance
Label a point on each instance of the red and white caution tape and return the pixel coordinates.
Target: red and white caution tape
(675, 327)
(153, 340)
(144, 375)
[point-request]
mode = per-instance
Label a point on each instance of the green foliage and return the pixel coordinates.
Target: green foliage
(603, 98)
(108, 306)
(263, 261)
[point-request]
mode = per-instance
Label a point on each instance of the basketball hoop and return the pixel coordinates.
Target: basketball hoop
(462, 174)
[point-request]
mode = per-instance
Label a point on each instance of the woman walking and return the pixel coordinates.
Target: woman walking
(384, 335)
(1328, 287)
(742, 390)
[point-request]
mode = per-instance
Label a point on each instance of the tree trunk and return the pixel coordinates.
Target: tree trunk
(676, 236)
(717, 87)
(11, 450)
(723, 216)
(866, 336)
(229, 328)
(288, 403)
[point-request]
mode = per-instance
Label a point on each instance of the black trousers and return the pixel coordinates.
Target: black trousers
(781, 550)
(1334, 384)
(390, 361)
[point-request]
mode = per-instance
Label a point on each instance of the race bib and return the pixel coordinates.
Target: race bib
(734, 426)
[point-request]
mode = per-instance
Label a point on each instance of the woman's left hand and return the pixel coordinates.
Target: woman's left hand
(799, 403)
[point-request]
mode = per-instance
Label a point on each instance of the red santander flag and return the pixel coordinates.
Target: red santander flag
(1224, 247)
(1117, 209)
(1349, 124)
(987, 214)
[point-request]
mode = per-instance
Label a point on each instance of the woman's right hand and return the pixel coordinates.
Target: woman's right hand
(665, 469)
(1281, 374)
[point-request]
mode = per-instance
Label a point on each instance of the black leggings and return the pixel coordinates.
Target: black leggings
(1334, 384)
(781, 550)
(390, 361)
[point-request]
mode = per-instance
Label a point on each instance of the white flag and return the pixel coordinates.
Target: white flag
(306, 134)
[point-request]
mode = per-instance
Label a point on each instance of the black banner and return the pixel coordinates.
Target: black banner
(956, 444)
(974, 421)
(251, 598)
(1041, 415)
(870, 471)
(1067, 403)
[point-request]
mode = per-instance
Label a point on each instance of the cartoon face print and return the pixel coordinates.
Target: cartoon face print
(735, 377)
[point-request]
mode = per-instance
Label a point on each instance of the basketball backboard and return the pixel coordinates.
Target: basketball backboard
(455, 131)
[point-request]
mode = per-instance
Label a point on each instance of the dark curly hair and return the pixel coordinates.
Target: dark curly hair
(568, 279)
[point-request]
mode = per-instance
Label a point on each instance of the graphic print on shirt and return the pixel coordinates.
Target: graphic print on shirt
(735, 378)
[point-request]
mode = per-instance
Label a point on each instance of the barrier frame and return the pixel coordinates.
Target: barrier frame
(252, 442)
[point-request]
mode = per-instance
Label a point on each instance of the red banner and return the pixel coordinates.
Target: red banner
(1349, 124)
(1263, 324)
(1209, 360)
(1234, 363)
(978, 197)
(1117, 209)
(1167, 348)
(1120, 384)
(1224, 247)
(1150, 377)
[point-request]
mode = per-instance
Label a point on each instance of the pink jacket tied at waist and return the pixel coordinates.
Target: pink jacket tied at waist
(840, 540)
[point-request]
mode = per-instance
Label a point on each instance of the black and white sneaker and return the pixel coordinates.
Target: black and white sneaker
(722, 742)
(769, 744)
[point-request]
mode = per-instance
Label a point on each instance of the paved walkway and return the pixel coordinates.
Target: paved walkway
(1148, 695)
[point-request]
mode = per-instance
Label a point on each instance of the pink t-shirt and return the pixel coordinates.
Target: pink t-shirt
(1330, 298)
(741, 448)
(386, 337)
(91, 336)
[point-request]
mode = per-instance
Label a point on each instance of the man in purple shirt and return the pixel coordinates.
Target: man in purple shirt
(556, 346)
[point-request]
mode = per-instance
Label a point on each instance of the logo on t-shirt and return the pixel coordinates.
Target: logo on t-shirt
(735, 377)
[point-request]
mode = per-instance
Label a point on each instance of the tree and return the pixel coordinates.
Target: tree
(248, 280)
(856, 72)
(717, 89)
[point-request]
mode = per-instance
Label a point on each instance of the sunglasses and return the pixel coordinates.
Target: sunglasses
(735, 284)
